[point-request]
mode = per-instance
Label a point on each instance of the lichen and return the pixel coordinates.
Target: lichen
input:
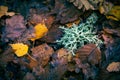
(78, 36)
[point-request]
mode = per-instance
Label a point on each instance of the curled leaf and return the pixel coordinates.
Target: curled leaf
(20, 49)
(40, 30)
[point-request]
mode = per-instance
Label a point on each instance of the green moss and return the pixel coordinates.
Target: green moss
(78, 36)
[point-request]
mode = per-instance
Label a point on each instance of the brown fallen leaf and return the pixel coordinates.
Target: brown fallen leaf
(115, 32)
(71, 23)
(59, 58)
(107, 37)
(89, 53)
(3, 10)
(53, 34)
(42, 53)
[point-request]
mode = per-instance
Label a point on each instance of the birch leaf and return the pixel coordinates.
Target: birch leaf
(40, 30)
(20, 49)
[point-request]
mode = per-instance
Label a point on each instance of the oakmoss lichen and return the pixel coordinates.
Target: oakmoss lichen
(78, 36)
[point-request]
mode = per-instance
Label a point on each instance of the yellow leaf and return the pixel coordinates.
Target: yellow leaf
(40, 30)
(115, 12)
(101, 9)
(3, 10)
(20, 49)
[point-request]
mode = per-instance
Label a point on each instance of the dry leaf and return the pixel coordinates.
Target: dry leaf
(107, 37)
(20, 49)
(115, 13)
(53, 34)
(42, 53)
(115, 32)
(89, 53)
(74, 22)
(14, 28)
(3, 10)
(114, 67)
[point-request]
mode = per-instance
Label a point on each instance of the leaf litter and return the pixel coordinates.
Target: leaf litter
(35, 24)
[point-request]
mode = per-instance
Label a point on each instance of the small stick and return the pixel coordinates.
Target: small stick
(31, 57)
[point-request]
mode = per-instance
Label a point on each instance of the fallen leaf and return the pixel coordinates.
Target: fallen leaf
(74, 22)
(89, 53)
(115, 32)
(20, 49)
(114, 12)
(14, 28)
(40, 31)
(114, 67)
(42, 53)
(53, 34)
(107, 37)
(3, 10)
(112, 17)
(35, 19)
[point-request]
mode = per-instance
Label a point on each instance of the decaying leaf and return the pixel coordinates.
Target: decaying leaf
(114, 67)
(42, 53)
(40, 31)
(53, 34)
(14, 28)
(89, 53)
(20, 49)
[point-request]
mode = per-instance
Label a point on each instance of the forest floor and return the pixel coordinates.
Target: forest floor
(59, 40)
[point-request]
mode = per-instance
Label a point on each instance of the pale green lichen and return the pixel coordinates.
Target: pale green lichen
(78, 36)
